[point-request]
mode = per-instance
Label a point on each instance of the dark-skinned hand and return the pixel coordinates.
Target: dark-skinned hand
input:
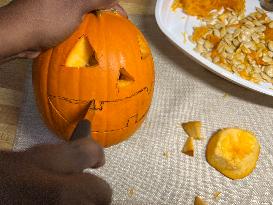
(53, 174)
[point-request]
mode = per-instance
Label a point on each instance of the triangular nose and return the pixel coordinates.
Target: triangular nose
(81, 55)
(125, 79)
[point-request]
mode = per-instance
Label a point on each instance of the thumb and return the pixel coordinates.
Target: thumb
(90, 5)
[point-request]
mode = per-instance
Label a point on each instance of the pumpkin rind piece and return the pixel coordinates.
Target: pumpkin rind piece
(188, 148)
(193, 129)
(199, 201)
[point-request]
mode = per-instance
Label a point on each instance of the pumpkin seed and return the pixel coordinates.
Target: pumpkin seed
(229, 49)
(250, 45)
(241, 67)
(267, 59)
(236, 33)
(267, 19)
(241, 57)
(260, 53)
(223, 32)
(249, 24)
(255, 38)
(261, 11)
(217, 33)
(258, 15)
(200, 48)
(208, 45)
(231, 30)
(218, 26)
(257, 77)
(270, 45)
(206, 55)
(257, 23)
(270, 25)
(233, 20)
(270, 54)
(266, 77)
(236, 42)
(245, 50)
(221, 48)
(242, 16)
(212, 21)
(269, 70)
(216, 59)
(260, 28)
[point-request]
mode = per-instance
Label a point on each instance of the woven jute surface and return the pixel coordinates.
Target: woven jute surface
(149, 168)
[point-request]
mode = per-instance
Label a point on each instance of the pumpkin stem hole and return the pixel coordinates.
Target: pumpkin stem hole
(125, 79)
(82, 55)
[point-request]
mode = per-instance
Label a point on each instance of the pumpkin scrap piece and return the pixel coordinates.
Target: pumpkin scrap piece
(203, 8)
(166, 154)
(199, 201)
(217, 195)
(193, 129)
(233, 152)
(131, 192)
(188, 148)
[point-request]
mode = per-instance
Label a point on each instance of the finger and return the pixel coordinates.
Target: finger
(91, 149)
(102, 191)
(24, 54)
(66, 158)
(85, 189)
(29, 54)
(82, 130)
(120, 10)
(89, 5)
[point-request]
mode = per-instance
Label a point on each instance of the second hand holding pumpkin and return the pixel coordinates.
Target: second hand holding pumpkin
(32, 26)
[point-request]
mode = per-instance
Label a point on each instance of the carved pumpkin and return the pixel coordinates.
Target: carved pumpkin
(104, 72)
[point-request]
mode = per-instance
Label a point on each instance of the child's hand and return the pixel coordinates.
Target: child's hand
(40, 24)
(52, 174)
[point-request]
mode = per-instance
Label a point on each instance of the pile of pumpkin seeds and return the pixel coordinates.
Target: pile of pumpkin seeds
(238, 43)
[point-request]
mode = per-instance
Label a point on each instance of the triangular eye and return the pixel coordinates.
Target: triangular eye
(81, 55)
(125, 79)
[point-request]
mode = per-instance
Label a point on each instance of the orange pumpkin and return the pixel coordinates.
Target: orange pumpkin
(104, 72)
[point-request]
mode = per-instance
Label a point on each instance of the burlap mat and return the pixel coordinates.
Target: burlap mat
(140, 172)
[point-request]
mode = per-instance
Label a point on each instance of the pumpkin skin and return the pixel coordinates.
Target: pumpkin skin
(114, 93)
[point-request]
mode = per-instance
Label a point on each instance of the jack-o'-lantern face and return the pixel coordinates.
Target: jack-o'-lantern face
(104, 72)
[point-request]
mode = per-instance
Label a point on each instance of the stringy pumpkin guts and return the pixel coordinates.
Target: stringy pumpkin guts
(202, 8)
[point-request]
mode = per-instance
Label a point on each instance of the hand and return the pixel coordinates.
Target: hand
(53, 173)
(68, 158)
(45, 23)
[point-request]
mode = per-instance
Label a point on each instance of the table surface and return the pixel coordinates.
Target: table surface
(12, 76)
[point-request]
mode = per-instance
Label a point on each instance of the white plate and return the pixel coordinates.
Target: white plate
(178, 26)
